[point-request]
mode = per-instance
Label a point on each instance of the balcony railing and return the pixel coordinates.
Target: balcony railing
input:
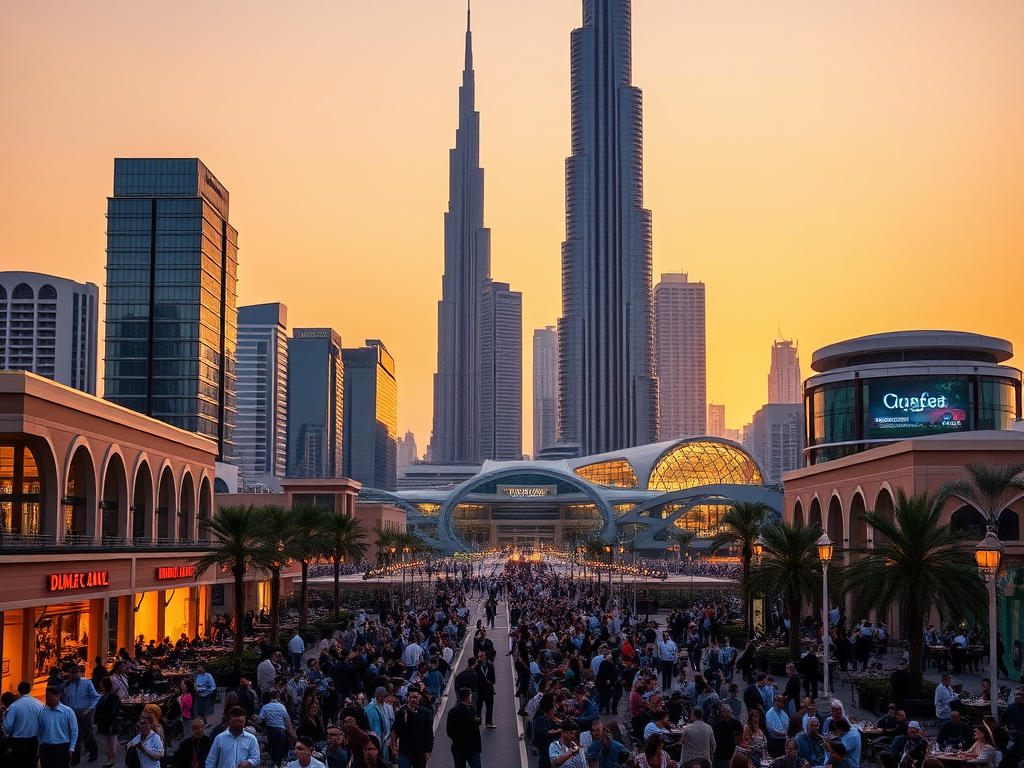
(14, 542)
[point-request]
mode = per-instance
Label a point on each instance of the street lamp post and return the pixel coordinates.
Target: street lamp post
(987, 554)
(391, 570)
(824, 545)
(756, 549)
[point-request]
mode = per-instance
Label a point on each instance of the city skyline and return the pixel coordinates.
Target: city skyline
(779, 153)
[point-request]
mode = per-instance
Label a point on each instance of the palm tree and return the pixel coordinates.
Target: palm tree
(342, 537)
(683, 538)
(310, 521)
(918, 564)
(989, 489)
(236, 543)
(386, 539)
(789, 567)
(740, 527)
(280, 542)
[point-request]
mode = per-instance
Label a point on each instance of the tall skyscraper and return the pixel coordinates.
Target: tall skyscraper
(607, 387)
(370, 429)
(545, 388)
(777, 439)
(716, 420)
(316, 402)
(172, 263)
(407, 451)
(784, 376)
(461, 432)
(501, 373)
(261, 432)
(48, 326)
(681, 356)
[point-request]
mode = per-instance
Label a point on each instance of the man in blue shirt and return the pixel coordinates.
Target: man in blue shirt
(235, 747)
(81, 696)
(58, 731)
(206, 691)
(22, 728)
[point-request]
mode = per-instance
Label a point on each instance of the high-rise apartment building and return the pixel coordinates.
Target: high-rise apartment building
(716, 420)
(501, 373)
(172, 263)
(607, 387)
(545, 388)
(681, 356)
(784, 375)
(777, 439)
(261, 429)
(370, 429)
(48, 326)
(316, 402)
(407, 451)
(464, 409)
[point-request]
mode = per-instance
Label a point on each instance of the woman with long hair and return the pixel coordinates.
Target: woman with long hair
(654, 755)
(983, 751)
(187, 698)
(754, 741)
(106, 719)
(311, 722)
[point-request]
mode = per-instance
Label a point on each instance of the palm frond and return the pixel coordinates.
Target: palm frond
(988, 488)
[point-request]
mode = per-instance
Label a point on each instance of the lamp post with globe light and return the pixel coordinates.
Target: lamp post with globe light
(987, 554)
(756, 550)
(824, 545)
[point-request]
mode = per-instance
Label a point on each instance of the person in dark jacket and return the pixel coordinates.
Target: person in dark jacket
(463, 728)
(485, 686)
(105, 717)
(192, 751)
(412, 736)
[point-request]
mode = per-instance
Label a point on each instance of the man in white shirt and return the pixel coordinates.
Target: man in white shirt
(296, 648)
(667, 653)
(147, 743)
(777, 723)
(266, 673)
(206, 691)
(411, 655)
(944, 697)
(235, 747)
(22, 727)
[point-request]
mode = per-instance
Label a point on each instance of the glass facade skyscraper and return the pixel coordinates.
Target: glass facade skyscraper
(680, 345)
(501, 373)
(172, 263)
(545, 388)
(607, 388)
(370, 430)
(261, 434)
(316, 402)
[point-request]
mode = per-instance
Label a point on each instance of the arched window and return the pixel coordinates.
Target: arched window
(616, 473)
(3, 292)
(1009, 526)
(968, 519)
(23, 291)
(20, 510)
(48, 293)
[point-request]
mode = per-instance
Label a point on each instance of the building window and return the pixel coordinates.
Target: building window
(19, 492)
(617, 473)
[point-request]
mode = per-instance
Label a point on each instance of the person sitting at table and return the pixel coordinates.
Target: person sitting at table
(915, 748)
(888, 721)
(810, 744)
(955, 734)
(983, 752)
(986, 689)
(791, 758)
(850, 738)
(661, 724)
(653, 754)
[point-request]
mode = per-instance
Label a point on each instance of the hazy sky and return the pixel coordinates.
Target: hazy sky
(828, 168)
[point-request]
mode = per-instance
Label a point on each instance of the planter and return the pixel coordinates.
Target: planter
(867, 700)
(919, 708)
(227, 680)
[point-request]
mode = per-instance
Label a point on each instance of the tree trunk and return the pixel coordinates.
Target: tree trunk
(793, 606)
(337, 586)
(239, 573)
(275, 605)
(748, 614)
(304, 596)
(915, 640)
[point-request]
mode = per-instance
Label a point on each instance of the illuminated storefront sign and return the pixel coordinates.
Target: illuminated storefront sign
(58, 582)
(900, 408)
(175, 572)
(527, 492)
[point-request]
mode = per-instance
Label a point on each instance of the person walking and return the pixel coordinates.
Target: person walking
(235, 747)
(468, 678)
(463, 728)
(413, 733)
(296, 649)
(276, 720)
(57, 731)
(667, 654)
(193, 751)
(22, 728)
(106, 719)
(485, 687)
(206, 691)
(82, 697)
(148, 744)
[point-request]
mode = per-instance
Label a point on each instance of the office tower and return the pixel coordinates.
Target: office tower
(172, 262)
(716, 420)
(48, 326)
(501, 373)
(407, 452)
(459, 431)
(370, 430)
(681, 356)
(261, 430)
(545, 388)
(784, 376)
(316, 402)
(777, 439)
(607, 388)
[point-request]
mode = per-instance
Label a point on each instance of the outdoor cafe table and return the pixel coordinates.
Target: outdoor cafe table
(951, 759)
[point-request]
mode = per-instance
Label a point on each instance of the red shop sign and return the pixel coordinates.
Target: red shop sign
(175, 572)
(58, 582)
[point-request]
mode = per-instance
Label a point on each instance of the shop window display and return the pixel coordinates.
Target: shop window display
(62, 635)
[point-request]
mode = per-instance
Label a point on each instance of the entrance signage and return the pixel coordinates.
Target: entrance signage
(913, 407)
(175, 572)
(527, 492)
(59, 582)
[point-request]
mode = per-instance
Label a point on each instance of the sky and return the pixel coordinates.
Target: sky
(828, 168)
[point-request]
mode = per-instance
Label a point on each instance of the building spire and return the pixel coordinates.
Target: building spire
(469, 40)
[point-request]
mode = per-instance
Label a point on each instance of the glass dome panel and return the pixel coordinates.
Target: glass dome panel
(617, 473)
(692, 464)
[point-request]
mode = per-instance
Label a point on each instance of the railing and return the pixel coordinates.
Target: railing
(12, 542)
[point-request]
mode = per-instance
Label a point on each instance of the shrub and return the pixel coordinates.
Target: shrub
(225, 665)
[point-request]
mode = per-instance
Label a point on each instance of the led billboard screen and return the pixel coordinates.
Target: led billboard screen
(915, 407)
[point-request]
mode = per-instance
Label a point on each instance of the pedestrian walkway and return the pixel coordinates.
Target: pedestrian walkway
(503, 745)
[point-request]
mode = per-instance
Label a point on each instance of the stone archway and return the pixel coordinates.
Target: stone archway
(166, 506)
(798, 514)
(884, 507)
(205, 508)
(814, 513)
(142, 504)
(834, 526)
(79, 503)
(187, 509)
(858, 529)
(113, 506)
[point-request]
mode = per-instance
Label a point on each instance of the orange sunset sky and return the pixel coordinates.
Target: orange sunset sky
(829, 168)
